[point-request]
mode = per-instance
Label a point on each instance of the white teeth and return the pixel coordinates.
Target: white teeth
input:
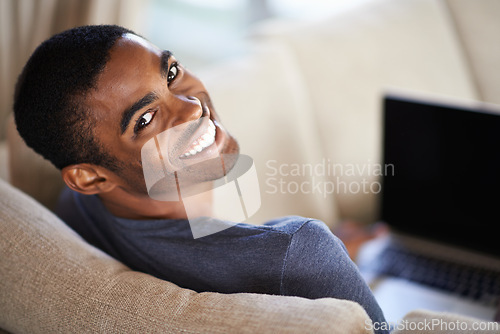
(207, 137)
(202, 142)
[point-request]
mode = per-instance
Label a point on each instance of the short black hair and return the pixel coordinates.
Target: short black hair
(49, 108)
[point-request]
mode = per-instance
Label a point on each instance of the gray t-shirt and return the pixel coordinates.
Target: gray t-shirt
(292, 255)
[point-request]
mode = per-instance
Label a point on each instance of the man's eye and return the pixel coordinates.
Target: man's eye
(172, 72)
(144, 121)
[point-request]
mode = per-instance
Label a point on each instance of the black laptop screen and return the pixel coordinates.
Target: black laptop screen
(446, 182)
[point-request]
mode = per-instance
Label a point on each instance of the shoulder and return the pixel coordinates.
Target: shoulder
(315, 238)
(296, 225)
(277, 234)
(285, 226)
(289, 232)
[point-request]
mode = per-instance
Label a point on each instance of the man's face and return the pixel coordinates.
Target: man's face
(142, 92)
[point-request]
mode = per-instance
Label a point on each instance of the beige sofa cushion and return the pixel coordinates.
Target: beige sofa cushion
(54, 282)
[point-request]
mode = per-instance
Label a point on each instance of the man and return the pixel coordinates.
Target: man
(89, 99)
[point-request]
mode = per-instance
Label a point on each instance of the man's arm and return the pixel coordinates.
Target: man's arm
(317, 265)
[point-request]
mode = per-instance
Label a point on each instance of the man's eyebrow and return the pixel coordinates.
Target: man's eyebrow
(130, 112)
(165, 56)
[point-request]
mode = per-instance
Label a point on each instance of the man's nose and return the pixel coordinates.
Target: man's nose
(184, 109)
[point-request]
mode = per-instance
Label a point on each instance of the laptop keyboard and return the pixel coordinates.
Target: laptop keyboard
(479, 284)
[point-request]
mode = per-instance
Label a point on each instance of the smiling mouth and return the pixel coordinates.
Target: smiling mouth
(202, 142)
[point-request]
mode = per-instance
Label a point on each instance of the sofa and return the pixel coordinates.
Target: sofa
(54, 282)
(303, 94)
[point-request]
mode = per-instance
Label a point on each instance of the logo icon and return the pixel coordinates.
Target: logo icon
(217, 190)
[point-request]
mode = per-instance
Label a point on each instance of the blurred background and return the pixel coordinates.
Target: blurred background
(296, 81)
(202, 32)
(199, 32)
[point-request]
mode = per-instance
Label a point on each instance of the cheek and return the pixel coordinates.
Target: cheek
(133, 178)
(232, 146)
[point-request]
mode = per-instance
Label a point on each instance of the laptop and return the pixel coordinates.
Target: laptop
(441, 200)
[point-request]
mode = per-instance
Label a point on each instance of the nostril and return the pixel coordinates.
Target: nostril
(193, 98)
(198, 102)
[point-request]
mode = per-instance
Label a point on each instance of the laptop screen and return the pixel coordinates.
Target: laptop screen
(445, 184)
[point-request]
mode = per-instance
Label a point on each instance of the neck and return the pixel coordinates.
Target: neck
(141, 207)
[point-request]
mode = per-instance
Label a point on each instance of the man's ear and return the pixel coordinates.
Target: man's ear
(87, 179)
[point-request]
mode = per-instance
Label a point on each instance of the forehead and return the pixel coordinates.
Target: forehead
(131, 72)
(128, 60)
